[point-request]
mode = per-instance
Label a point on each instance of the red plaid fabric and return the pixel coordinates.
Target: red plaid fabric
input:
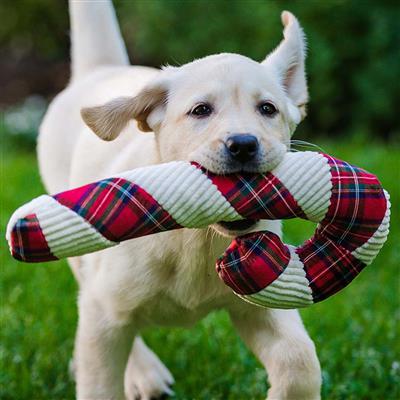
(329, 267)
(257, 196)
(28, 242)
(252, 262)
(118, 209)
(357, 208)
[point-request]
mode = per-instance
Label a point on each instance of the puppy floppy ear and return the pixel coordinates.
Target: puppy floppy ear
(108, 120)
(287, 62)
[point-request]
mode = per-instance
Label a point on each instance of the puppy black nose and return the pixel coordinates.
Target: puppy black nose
(242, 147)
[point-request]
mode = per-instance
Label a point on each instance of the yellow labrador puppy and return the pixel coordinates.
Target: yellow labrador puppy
(225, 111)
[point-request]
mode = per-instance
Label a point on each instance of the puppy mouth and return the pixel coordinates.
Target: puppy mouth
(237, 168)
(220, 164)
(237, 226)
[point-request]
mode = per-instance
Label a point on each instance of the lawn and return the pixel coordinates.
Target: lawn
(355, 331)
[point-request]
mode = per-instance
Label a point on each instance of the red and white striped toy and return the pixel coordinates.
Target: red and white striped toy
(350, 205)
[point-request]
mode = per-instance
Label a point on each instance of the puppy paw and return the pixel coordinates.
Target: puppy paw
(152, 384)
(146, 377)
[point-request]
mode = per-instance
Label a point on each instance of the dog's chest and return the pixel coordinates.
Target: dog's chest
(170, 311)
(191, 287)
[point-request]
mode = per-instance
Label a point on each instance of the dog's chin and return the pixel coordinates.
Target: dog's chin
(235, 228)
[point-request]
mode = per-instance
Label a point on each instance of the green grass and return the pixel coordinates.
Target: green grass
(355, 331)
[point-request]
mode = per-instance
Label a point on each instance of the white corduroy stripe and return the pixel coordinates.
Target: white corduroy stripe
(23, 211)
(307, 177)
(185, 193)
(66, 232)
(369, 250)
(290, 290)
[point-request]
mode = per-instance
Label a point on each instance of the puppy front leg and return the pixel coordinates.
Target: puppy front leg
(102, 349)
(279, 340)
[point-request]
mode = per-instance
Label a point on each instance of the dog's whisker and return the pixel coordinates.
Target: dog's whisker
(210, 243)
(304, 144)
(209, 232)
(215, 235)
(190, 236)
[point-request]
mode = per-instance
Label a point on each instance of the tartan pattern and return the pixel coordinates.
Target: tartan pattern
(252, 262)
(329, 267)
(257, 196)
(28, 242)
(118, 209)
(357, 208)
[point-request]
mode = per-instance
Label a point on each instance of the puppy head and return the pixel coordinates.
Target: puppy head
(226, 111)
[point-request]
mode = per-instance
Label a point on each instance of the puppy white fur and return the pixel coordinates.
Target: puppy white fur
(169, 279)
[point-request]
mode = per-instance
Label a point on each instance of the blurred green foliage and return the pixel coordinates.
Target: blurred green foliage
(353, 59)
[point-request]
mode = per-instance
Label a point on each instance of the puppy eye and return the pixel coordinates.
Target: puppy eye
(201, 110)
(267, 108)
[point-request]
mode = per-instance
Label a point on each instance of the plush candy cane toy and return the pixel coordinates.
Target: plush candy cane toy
(349, 204)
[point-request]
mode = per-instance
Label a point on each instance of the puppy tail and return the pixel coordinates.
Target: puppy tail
(95, 37)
